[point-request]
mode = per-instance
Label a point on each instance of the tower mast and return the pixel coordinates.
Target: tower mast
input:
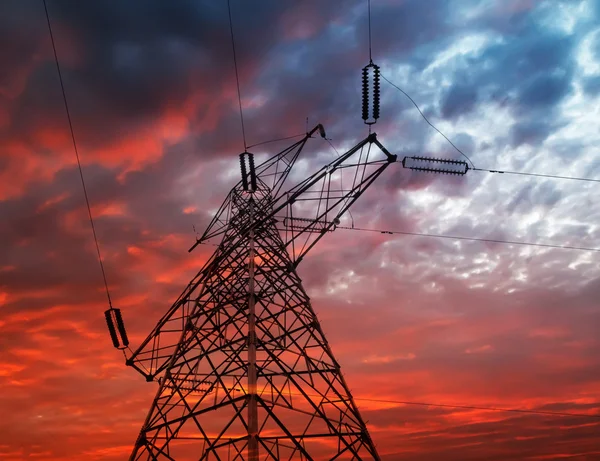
(245, 371)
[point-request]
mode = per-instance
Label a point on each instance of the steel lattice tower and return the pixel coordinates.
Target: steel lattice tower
(244, 369)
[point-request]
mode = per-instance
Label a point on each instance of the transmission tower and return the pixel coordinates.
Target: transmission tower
(244, 370)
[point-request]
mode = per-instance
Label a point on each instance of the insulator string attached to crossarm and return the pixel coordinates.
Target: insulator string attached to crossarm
(244, 171)
(435, 165)
(365, 94)
(370, 108)
(116, 328)
(252, 171)
(376, 92)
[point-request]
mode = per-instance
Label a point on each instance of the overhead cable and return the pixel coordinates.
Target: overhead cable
(521, 173)
(237, 78)
(457, 237)
(87, 201)
(476, 407)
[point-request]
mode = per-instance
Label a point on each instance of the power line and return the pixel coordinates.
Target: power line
(540, 175)
(237, 78)
(475, 407)
(572, 178)
(469, 407)
(427, 120)
(456, 237)
(87, 201)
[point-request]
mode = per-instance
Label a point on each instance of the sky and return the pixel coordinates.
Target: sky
(515, 84)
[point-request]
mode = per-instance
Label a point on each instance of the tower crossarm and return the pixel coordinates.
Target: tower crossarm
(314, 207)
(271, 174)
(153, 354)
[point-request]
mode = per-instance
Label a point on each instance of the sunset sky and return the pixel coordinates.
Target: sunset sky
(151, 87)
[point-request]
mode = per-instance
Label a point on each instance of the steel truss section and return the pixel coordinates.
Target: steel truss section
(244, 369)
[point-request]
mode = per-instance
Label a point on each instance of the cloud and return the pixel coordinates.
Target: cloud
(458, 100)
(153, 99)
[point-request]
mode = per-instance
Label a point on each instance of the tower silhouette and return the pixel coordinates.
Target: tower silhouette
(244, 369)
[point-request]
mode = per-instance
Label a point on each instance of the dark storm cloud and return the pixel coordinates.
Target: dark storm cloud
(137, 59)
(546, 90)
(320, 79)
(20, 25)
(533, 65)
(404, 310)
(458, 100)
(44, 247)
(533, 131)
(400, 27)
(531, 53)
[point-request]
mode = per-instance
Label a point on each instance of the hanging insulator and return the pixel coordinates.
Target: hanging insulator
(252, 172)
(365, 93)
(322, 131)
(458, 167)
(248, 168)
(243, 171)
(375, 104)
(116, 328)
(376, 92)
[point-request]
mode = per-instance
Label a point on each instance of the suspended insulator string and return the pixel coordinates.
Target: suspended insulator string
(243, 171)
(111, 328)
(427, 120)
(475, 239)
(376, 91)
(365, 93)
(116, 328)
(438, 170)
(455, 164)
(237, 78)
(437, 160)
(252, 171)
(87, 201)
